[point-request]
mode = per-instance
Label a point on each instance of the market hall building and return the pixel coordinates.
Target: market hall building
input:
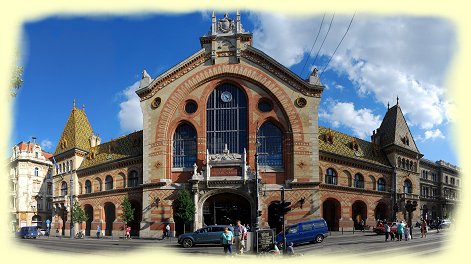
(205, 122)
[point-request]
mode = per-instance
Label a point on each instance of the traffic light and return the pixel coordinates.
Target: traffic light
(408, 206)
(414, 206)
(396, 208)
(259, 213)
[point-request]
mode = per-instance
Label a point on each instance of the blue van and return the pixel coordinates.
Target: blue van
(304, 232)
(28, 232)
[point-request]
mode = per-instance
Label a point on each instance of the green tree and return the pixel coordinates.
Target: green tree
(128, 211)
(78, 214)
(184, 207)
(17, 80)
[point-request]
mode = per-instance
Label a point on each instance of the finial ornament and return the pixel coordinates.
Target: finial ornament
(74, 103)
(83, 107)
(397, 100)
(388, 105)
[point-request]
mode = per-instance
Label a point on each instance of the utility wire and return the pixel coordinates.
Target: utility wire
(339, 43)
(330, 25)
(313, 44)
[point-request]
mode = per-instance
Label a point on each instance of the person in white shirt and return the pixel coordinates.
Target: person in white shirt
(240, 235)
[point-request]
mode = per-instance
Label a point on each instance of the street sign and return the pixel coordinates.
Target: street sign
(265, 240)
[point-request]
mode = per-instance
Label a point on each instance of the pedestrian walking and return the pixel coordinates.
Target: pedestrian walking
(98, 231)
(128, 232)
(167, 230)
(240, 236)
(423, 228)
(387, 230)
(406, 233)
(362, 225)
(400, 230)
(227, 241)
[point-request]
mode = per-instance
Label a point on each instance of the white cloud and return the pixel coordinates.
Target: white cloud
(46, 144)
(130, 114)
(362, 121)
(383, 57)
(433, 134)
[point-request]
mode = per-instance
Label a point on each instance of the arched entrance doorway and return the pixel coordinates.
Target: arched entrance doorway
(36, 220)
(274, 217)
(110, 216)
(381, 211)
(331, 213)
(358, 213)
(88, 224)
(135, 224)
(225, 209)
(64, 220)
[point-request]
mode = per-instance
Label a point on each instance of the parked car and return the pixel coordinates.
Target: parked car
(41, 232)
(28, 232)
(379, 229)
(445, 223)
(305, 232)
(206, 235)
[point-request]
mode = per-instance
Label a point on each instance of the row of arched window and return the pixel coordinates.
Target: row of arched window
(359, 181)
(226, 126)
(406, 164)
(64, 167)
(133, 181)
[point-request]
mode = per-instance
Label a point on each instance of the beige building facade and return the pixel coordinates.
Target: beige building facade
(30, 186)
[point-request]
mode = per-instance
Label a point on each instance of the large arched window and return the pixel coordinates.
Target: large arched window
(108, 183)
(381, 185)
(407, 186)
(226, 120)
(359, 182)
(330, 176)
(63, 188)
(88, 186)
(133, 179)
(270, 149)
(184, 146)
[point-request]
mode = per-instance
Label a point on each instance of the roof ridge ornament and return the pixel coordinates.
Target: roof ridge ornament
(145, 80)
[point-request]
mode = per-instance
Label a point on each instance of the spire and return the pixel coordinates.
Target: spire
(388, 105)
(74, 103)
(397, 100)
(213, 24)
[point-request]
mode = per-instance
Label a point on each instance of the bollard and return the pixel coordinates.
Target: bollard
(353, 230)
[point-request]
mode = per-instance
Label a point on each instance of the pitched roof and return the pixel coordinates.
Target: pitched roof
(76, 133)
(342, 145)
(394, 129)
(123, 147)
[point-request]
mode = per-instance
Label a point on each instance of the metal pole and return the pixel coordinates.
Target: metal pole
(257, 221)
(71, 204)
(283, 218)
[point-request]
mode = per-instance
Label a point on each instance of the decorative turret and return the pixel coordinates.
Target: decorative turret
(226, 39)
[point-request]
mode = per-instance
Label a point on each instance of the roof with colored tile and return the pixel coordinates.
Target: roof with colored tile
(342, 146)
(127, 146)
(76, 133)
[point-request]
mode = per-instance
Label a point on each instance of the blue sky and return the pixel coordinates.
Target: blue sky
(98, 61)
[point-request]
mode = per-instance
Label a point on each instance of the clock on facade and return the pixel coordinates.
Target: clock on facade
(226, 97)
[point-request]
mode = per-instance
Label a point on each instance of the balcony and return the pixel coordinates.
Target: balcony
(408, 196)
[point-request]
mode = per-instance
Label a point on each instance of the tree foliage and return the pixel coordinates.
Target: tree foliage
(128, 211)
(184, 206)
(78, 214)
(17, 80)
